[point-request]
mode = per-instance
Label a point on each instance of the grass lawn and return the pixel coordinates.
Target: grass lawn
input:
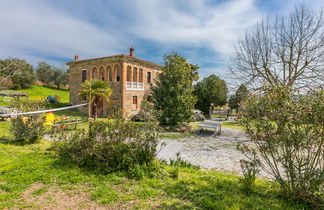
(31, 176)
(42, 92)
(225, 124)
(232, 124)
(4, 130)
(45, 91)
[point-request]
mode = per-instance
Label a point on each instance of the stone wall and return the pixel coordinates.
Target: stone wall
(121, 99)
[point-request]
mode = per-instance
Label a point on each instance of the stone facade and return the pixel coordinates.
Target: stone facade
(130, 79)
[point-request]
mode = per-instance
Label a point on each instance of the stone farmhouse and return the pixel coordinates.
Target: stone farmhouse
(130, 78)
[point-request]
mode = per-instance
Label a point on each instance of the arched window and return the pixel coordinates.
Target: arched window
(141, 79)
(94, 73)
(129, 74)
(102, 73)
(110, 75)
(117, 73)
(135, 74)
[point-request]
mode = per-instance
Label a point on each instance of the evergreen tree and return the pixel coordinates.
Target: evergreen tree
(236, 99)
(211, 90)
(173, 91)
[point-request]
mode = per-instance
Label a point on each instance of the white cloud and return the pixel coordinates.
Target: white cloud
(33, 27)
(213, 26)
(38, 30)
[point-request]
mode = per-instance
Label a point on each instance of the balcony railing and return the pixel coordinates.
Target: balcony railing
(134, 86)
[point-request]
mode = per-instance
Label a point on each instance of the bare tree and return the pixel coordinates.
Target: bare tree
(9, 67)
(285, 51)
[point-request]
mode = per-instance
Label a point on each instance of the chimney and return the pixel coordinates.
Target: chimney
(131, 52)
(76, 58)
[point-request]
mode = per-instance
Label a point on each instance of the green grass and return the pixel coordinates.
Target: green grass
(232, 124)
(22, 166)
(5, 101)
(41, 92)
(4, 130)
(45, 91)
(225, 124)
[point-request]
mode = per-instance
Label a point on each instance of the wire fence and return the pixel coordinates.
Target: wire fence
(15, 114)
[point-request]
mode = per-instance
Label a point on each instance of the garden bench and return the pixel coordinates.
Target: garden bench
(214, 125)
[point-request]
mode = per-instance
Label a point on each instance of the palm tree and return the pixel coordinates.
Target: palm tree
(95, 89)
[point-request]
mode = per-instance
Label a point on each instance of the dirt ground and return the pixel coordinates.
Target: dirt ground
(40, 196)
(207, 151)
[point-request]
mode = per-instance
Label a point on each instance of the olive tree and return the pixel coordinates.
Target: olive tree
(18, 72)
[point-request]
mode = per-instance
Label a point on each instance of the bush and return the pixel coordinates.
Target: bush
(250, 170)
(114, 145)
(179, 162)
(30, 128)
(287, 131)
(147, 113)
(197, 117)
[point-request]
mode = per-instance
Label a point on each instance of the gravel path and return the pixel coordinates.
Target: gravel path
(207, 151)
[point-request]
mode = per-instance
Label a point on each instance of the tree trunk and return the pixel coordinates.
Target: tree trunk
(89, 109)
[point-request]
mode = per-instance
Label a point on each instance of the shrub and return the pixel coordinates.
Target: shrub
(197, 117)
(287, 131)
(114, 145)
(28, 127)
(250, 170)
(147, 113)
(179, 162)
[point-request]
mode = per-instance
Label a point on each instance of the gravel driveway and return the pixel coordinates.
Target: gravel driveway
(207, 151)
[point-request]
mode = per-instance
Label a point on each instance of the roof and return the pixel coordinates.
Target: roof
(116, 56)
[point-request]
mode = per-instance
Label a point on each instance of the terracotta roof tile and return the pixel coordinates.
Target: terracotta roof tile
(115, 56)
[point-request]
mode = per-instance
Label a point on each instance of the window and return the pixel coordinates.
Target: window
(102, 74)
(84, 75)
(117, 73)
(129, 74)
(110, 76)
(149, 77)
(141, 75)
(135, 100)
(135, 74)
(94, 73)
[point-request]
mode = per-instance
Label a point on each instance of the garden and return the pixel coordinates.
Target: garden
(270, 155)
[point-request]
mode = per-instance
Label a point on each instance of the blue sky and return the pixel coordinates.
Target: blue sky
(203, 31)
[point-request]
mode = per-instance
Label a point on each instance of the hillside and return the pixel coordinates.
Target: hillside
(40, 91)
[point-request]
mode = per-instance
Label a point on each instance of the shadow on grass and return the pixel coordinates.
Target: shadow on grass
(18, 142)
(55, 88)
(221, 193)
(231, 123)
